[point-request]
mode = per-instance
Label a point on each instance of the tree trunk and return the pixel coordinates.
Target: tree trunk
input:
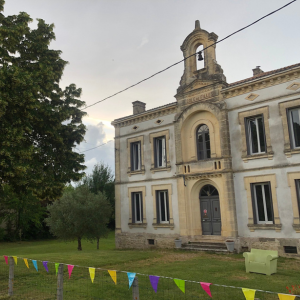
(98, 243)
(79, 244)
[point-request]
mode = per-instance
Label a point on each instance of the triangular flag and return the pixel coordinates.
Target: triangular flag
(130, 278)
(70, 269)
(26, 262)
(181, 284)
(249, 294)
(35, 265)
(286, 297)
(6, 259)
(45, 265)
(15, 259)
(113, 275)
(56, 267)
(92, 273)
(205, 286)
(154, 282)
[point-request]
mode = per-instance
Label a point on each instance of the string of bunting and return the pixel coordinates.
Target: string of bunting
(248, 293)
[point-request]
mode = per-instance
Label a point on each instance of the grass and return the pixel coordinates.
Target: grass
(195, 266)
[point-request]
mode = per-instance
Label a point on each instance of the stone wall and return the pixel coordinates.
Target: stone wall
(245, 244)
(141, 240)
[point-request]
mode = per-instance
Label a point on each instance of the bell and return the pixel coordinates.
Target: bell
(200, 56)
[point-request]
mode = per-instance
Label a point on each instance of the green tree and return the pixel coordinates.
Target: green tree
(39, 122)
(102, 180)
(79, 214)
(19, 212)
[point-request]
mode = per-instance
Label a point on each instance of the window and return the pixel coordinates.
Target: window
(297, 183)
(162, 206)
(137, 207)
(160, 156)
(255, 133)
(262, 203)
(135, 150)
(294, 127)
(203, 142)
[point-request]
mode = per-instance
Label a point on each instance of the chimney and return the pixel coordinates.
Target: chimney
(138, 107)
(257, 71)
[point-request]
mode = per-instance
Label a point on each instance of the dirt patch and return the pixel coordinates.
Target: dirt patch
(240, 278)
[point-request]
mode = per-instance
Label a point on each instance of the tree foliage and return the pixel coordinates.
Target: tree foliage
(102, 180)
(39, 122)
(79, 214)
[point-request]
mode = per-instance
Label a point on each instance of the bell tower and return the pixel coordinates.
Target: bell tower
(212, 72)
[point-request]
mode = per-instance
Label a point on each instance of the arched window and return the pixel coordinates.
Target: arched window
(209, 190)
(203, 142)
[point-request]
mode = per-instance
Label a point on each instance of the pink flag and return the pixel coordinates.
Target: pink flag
(70, 269)
(6, 259)
(205, 286)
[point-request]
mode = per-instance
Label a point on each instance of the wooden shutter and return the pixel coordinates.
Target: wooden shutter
(271, 200)
(168, 208)
(133, 207)
(157, 207)
(164, 154)
(247, 136)
(253, 203)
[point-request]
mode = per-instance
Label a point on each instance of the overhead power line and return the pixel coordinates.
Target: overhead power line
(188, 57)
(94, 147)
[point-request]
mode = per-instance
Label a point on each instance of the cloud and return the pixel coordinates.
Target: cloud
(143, 42)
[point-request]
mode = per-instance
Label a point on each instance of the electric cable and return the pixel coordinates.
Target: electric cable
(93, 147)
(190, 55)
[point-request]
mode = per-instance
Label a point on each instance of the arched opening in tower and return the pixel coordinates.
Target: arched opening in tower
(200, 64)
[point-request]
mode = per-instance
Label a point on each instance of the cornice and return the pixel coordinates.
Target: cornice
(148, 115)
(261, 83)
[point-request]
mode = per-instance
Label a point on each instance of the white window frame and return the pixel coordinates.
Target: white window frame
(135, 156)
(165, 205)
(291, 127)
(262, 184)
(157, 152)
(140, 200)
(251, 152)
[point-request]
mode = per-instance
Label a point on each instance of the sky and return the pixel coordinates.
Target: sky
(111, 44)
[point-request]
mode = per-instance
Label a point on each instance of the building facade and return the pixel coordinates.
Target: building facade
(221, 162)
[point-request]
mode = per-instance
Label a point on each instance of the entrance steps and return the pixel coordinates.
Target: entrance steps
(211, 246)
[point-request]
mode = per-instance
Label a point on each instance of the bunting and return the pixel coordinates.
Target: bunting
(181, 284)
(6, 259)
(205, 286)
(249, 294)
(35, 265)
(15, 259)
(56, 268)
(26, 262)
(70, 269)
(45, 265)
(92, 274)
(130, 278)
(113, 275)
(154, 282)
(286, 297)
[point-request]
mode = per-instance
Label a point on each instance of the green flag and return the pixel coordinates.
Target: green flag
(181, 284)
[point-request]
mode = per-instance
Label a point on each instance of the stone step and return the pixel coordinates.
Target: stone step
(220, 250)
(206, 244)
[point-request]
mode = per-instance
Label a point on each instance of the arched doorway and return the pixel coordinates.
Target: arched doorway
(210, 210)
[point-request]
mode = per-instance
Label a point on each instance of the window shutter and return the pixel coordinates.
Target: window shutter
(297, 183)
(164, 158)
(157, 208)
(133, 207)
(131, 156)
(253, 204)
(139, 156)
(264, 130)
(271, 200)
(155, 152)
(247, 139)
(168, 209)
(142, 216)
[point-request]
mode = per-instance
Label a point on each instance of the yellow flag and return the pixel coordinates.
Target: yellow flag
(92, 273)
(26, 262)
(15, 259)
(286, 297)
(249, 294)
(113, 275)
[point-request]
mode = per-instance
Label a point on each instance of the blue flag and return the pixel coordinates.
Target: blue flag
(35, 265)
(130, 278)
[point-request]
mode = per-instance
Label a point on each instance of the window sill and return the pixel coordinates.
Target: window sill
(268, 155)
(155, 226)
(142, 171)
(290, 152)
(296, 227)
(153, 170)
(276, 227)
(137, 225)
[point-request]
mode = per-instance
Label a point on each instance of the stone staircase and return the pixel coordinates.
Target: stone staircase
(212, 246)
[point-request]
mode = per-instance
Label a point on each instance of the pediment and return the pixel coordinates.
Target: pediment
(197, 84)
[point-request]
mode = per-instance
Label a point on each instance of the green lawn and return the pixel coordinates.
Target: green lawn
(194, 266)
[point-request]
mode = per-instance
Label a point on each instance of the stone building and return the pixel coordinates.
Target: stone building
(222, 161)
